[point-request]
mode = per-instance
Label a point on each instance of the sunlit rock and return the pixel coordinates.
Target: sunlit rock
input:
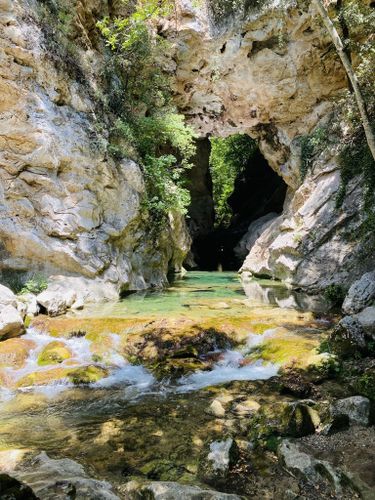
(360, 294)
(11, 322)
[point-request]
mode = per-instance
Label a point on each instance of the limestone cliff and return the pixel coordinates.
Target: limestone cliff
(70, 208)
(66, 206)
(272, 72)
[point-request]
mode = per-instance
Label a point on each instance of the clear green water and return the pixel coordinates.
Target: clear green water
(200, 293)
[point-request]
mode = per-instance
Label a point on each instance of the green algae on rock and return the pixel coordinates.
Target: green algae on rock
(14, 352)
(54, 353)
(76, 375)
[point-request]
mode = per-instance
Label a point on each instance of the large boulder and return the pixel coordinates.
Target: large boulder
(166, 490)
(355, 408)
(11, 322)
(65, 292)
(56, 300)
(7, 297)
(360, 294)
(62, 478)
(348, 337)
(367, 320)
(254, 230)
(304, 466)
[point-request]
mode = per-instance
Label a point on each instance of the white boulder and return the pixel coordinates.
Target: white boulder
(11, 322)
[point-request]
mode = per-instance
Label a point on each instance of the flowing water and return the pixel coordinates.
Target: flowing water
(131, 421)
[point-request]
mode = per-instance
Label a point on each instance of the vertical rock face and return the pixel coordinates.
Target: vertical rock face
(66, 206)
(271, 73)
(201, 211)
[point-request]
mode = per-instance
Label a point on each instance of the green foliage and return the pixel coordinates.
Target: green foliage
(356, 159)
(335, 294)
(147, 129)
(228, 159)
(310, 145)
(325, 346)
(365, 384)
(220, 10)
(165, 193)
(35, 285)
(134, 70)
(359, 19)
(150, 140)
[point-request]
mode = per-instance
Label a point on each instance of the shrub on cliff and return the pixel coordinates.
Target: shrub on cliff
(148, 129)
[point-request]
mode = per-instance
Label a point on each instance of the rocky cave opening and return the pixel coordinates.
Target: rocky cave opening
(258, 193)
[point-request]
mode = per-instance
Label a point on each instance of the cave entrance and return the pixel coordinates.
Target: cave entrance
(231, 186)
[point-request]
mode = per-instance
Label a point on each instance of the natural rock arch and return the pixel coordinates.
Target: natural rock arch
(271, 73)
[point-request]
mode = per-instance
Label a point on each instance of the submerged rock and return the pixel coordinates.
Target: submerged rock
(360, 294)
(14, 352)
(246, 408)
(166, 490)
(87, 374)
(62, 479)
(216, 409)
(80, 375)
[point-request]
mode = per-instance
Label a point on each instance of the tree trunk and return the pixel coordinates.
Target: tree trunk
(349, 71)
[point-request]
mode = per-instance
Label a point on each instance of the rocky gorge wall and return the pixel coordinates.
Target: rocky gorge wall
(272, 73)
(66, 206)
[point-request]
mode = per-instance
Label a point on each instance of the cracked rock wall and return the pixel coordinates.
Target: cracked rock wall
(66, 207)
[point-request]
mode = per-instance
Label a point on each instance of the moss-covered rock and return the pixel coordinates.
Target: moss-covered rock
(44, 377)
(285, 348)
(87, 374)
(76, 375)
(54, 353)
(14, 352)
(365, 384)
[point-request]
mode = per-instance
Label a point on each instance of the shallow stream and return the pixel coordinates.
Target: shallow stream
(132, 421)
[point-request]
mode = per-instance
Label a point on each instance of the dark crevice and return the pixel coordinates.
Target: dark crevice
(258, 191)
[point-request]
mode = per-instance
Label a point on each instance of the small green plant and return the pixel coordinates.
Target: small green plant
(335, 294)
(35, 285)
(310, 145)
(365, 384)
(325, 346)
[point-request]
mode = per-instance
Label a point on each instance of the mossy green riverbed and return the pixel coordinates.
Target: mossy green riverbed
(125, 389)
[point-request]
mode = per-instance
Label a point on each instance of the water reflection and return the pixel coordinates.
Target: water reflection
(276, 294)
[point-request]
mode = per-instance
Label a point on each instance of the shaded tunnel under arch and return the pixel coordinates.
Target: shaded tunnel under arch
(258, 190)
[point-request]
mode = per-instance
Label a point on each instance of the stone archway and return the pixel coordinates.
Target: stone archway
(271, 74)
